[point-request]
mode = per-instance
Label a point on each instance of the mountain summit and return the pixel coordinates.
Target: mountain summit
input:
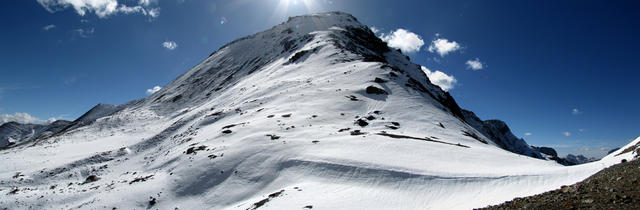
(329, 40)
(316, 112)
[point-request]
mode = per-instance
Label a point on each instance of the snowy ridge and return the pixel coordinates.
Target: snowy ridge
(499, 132)
(13, 133)
(316, 111)
(98, 111)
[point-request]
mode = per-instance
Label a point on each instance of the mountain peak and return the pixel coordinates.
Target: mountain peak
(287, 42)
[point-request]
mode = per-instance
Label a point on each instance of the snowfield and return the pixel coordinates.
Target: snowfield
(284, 119)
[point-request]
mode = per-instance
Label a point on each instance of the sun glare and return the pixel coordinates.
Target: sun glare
(287, 8)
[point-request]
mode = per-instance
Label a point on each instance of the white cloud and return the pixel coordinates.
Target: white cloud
(528, 134)
(474, 64)
(374, 29)
(582, 130)
(402, 39)
(576, 111)
(101, 8)
(171, 45)
(446, 82)
(155, 12)
(84, 33)
(48, 27)
(153, 90)
(566, 133)
(144, 2)
(132, 10)
(22, 118)
(443, 46)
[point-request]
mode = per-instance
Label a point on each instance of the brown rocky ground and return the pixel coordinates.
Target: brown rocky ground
(615, 187)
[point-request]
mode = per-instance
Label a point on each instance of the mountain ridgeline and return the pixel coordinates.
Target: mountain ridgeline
(233, 62)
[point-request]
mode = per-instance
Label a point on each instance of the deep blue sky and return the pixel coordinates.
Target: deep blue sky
(542, 59)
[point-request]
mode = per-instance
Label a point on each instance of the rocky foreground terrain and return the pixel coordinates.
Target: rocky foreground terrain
(615, 187)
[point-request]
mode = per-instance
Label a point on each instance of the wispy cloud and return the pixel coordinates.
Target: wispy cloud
(155, 12)
(70, 80)
(101, 8)
(576, 111)
(528, 134)
(48, 27)
(474, 64)
(22, 118)
(446, 82)
(83, 33)
(402, 39)
(171, 45)
(153, 90)
(144, 2)
(566, 133)
(443, 46)
(374, 29)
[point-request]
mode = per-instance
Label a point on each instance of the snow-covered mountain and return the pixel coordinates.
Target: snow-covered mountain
(316, 112)
(13, 133)
(569, 160)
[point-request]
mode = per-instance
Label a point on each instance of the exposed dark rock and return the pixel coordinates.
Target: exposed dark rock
(614, 187)
(344, 129)
(392, 127)
(357, 133)
(152, 201)
(398, 136)
(273, 136)
(261, 203)
(379, 80)
(193, 150)
(546, 150)
(91, 178)
(361, 122)
(441, 125)
(352, 97)
(297, 57)
(375, 90)
(474, 136)
(141, 179)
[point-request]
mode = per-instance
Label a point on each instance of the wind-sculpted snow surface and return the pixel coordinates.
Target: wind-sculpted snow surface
(282, 119)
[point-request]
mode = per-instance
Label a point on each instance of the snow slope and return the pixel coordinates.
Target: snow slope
(315, 111)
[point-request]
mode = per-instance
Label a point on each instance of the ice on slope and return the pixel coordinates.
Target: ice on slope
(207, 139)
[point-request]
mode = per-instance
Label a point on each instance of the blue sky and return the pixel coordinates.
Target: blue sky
(560, 73)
